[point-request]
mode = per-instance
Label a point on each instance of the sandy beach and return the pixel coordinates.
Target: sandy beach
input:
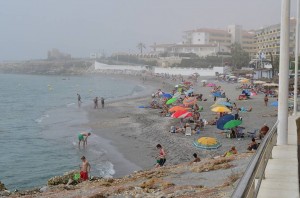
(135, 132)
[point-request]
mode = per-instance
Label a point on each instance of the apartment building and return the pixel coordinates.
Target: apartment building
(208, 41)
(267, 39)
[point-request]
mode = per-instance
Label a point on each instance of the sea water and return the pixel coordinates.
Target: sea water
(39, 123)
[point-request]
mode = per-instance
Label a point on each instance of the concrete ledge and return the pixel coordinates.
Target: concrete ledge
(285, 152)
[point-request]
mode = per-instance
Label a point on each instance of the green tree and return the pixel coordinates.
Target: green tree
(240, 57)
(141, 46)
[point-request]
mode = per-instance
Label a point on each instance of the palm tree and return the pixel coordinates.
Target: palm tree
(141, 46)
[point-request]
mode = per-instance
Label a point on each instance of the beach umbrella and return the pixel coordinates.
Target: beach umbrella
(228, 104)
(217, 105)
(244, 81)
(190, 101)
(217, 94)
(210, 85)
(177, 108)
(274, 104)
(270, 85)
(167, 95)
(223, 120)
(220, 109)
(232, 123)
(259, 82)
(207, 143)
(170, 101)
(182, 114)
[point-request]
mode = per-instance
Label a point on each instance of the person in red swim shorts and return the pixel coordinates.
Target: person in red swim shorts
(85, 168)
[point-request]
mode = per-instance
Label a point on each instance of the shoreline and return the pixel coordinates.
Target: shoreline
(134, 132)
(110, 127)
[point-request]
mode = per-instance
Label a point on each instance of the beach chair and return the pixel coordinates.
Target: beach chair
(188, 131)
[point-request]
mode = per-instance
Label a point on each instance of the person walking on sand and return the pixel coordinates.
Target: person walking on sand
(102, 102)
(161, 160)
(82, 137)
(96, 103)
(266, 99)
(85, 168)
(79, 100)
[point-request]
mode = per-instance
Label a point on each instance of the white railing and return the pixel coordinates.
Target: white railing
(249, 184)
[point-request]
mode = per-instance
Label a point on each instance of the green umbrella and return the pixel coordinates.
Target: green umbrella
(232, 124)
(170, 101)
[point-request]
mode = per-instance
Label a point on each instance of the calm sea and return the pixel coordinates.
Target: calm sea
(39, 125)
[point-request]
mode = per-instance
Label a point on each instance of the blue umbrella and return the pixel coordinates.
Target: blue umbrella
(217, 94)
(223, 120)
(274, 104)
(228, 104)
(167, 95)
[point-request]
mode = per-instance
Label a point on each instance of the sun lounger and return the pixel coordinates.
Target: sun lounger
(188, 131)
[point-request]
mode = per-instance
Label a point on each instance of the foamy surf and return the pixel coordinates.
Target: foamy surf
(105, 169)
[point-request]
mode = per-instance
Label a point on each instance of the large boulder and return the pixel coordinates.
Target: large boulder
(2, 187)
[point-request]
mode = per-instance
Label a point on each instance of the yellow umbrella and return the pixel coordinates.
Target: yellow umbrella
(220, 109)
(244, 81)
(207, 143)
(217, 105)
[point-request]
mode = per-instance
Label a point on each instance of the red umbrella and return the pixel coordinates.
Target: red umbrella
(182, 114)
(178, 113)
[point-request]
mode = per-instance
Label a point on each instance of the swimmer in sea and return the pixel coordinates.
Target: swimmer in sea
(83, 137)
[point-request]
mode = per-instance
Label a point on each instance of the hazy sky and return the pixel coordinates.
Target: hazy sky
(29, 28)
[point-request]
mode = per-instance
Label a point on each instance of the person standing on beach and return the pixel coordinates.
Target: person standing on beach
(96, 103)
(102, 102)
(85, 168)
(266, 99)
(161, 156)
(79, 100)
(82, 137)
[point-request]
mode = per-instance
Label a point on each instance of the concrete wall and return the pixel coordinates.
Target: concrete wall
(102, 66)
(189, 71)
(161, 70)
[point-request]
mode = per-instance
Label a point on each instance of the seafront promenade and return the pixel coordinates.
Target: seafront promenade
(281, 174)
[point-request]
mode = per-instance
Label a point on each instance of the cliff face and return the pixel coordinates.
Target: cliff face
(45, 67)
(208, 178)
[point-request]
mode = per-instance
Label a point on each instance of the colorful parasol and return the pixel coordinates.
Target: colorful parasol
(207, 143)
(232, 123)
(177, 108)
(220, 109)
(170, 101)
(190, 101)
